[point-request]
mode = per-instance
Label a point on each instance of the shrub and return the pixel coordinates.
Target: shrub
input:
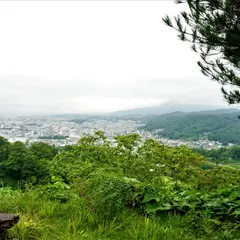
(56, 190)
(109, 193)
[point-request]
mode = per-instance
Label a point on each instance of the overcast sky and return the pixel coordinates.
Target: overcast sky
(95, 56)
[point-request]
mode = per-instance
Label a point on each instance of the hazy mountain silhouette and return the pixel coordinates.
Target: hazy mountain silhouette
(168, 108)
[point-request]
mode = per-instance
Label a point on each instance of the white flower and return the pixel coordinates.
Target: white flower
(151, 170)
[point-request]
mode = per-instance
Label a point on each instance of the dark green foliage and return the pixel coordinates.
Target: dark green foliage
(4, 149)
(222, 155)
(67, 148)
(43, 150)
(213, 29)
(222, 127)
(21, 163)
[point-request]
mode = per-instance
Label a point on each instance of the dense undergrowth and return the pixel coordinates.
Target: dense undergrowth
(127, 189)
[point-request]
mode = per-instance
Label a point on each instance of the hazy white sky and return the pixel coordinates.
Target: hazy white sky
(94, 56)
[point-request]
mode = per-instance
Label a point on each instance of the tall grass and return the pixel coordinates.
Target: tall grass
(44, 219)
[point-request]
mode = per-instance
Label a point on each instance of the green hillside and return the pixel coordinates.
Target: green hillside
(219, 125)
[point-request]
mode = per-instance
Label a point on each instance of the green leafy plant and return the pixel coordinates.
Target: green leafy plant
(56, 190)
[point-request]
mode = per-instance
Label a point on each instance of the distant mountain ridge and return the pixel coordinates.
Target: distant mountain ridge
(168, 108)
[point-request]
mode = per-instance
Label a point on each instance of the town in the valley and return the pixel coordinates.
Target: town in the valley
(63, 130)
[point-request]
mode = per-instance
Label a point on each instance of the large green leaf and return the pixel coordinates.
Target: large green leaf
(154, 207)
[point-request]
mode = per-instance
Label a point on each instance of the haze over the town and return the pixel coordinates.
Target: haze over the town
(96, 56)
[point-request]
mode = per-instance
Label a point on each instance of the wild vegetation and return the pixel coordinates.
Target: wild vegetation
(125, 188)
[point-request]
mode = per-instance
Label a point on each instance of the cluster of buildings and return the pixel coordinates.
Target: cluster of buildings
(206, 144)
(61, 131)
